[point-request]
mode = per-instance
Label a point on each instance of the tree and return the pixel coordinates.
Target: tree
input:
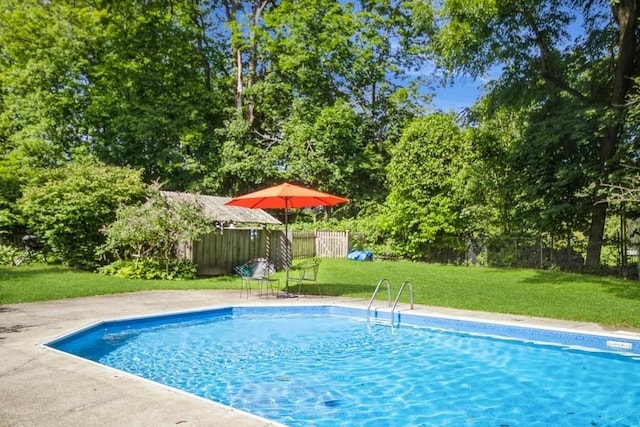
(134, 82)
(43, 65)
(9, 193)
(157, 91)
(67, 207)
(244, 20)
(327, 59)
(422, 208)
(163, 86)
(481, 186)
(323, 148)
(542, 59)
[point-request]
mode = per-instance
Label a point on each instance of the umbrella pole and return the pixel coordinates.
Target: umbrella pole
(286, 251)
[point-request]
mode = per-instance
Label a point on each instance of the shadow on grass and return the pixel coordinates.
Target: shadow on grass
(335, 289)
(628, 289)
(12, 272)
(622, 288)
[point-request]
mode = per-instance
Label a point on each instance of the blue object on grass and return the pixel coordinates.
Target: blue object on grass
(360, 255)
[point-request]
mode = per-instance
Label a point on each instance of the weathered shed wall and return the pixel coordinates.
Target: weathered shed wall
(218, 253)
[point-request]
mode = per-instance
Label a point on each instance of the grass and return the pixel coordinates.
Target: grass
(552, 294)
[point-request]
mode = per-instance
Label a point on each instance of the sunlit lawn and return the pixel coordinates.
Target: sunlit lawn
(610, 301)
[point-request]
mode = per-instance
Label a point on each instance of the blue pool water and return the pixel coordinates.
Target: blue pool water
(327, 366)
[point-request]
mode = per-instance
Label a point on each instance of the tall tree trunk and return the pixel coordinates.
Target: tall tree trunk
(596, 233)
(200, 23)
(231, 11)
(626, 14)
(258, 8)
(239, 87)
(245, 82)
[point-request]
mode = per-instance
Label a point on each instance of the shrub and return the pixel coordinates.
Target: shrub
(5, 254)
(151, 268)
(66, 207)
(155, 229)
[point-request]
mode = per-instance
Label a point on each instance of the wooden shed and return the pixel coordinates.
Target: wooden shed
(237, 235)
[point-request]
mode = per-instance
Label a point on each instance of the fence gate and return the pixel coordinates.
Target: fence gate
(332, 244)
(324, 244)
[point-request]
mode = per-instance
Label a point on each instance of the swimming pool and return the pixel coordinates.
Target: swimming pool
(328, 366)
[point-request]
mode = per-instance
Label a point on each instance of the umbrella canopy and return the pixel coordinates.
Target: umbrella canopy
(286, 196)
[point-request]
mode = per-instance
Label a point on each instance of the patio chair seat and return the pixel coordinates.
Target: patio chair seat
(305, 271)
(257, 270)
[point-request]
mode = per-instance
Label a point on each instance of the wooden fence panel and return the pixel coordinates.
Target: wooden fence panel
(324, 244)
(303, 244)
(332, 244)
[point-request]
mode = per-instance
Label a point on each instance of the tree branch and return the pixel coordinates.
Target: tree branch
(545, 72)
(622, 193)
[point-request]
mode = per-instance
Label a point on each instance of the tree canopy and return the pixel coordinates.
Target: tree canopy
(228, 96)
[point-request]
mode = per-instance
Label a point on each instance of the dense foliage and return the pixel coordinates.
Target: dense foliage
(228, 96)
(144, 238)
(423, 205)
(68, 206)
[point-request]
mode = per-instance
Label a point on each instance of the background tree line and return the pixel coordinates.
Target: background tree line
(227, 96)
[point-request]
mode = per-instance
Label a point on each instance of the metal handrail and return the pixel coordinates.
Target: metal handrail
(373, 296)
(395, 303)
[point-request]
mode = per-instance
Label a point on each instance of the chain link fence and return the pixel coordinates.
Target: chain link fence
(618, 258)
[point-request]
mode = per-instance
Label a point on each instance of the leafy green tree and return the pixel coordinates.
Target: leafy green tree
(478, 187)
(156, 96)
(422, 208)
(244, 24)
(10, 186)
(332, 65)
(542, 60)
(67, 207)
(137, 83)
(43, 69)
(162, 86)
(324, 148)
(551, 170)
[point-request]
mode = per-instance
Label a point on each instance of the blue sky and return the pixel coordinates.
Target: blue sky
(463, 93)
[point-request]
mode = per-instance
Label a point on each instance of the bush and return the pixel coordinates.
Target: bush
(67, 207)
(155, 229)
(151, 269)
(5, 254)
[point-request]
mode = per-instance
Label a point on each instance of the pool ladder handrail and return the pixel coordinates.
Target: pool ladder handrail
(395, 303)
(375, 292)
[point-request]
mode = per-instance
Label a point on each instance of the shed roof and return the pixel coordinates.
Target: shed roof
(215, 209)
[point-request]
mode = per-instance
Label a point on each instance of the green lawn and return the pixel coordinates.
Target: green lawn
(609, 301)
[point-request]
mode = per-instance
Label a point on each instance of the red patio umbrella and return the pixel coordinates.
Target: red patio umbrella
(286, 196)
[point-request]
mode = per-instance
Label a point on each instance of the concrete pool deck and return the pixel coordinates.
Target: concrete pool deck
(43, 387)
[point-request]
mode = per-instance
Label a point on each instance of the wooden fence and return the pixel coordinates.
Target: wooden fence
(324, 244)
(218, 253)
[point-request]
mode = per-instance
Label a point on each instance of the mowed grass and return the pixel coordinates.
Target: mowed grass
(552, 294)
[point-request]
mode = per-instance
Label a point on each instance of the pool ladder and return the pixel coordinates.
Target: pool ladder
(395, 303)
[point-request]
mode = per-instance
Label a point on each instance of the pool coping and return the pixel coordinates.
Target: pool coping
(41, 386)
